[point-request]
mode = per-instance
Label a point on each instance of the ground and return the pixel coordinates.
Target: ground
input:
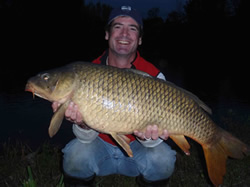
(45, 161)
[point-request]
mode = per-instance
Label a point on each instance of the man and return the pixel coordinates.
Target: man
(93, 153)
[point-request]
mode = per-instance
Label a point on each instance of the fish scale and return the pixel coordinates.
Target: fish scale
(148, 108)
(118, 101)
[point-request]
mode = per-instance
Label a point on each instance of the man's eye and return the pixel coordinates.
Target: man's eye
(117, 27)
(133, 29)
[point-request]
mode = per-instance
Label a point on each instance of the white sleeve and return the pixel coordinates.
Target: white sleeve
(83, 135)
(150, 143)
(161, 76)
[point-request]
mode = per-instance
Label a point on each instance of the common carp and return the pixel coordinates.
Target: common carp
(118, 101)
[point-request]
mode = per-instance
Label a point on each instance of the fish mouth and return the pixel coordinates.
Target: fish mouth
(30, 88)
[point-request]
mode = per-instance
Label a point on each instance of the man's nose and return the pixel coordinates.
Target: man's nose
(125, 32)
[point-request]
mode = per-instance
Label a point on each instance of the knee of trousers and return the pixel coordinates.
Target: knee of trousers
(78, 159)
(160, 162)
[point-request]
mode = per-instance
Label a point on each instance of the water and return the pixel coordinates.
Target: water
(27, 119)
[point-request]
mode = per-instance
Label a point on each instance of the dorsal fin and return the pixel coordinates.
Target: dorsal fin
(194, 97)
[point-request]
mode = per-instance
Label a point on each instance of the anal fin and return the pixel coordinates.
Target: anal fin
(181, 141)
(123, 141)
(57, 119)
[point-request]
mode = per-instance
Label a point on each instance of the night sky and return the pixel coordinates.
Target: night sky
(165, 7)
(204, 50)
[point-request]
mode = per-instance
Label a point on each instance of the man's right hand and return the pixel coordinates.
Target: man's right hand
(71, 114)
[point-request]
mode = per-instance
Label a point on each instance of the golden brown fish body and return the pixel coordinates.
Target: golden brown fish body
(115, 100)
(118, 101)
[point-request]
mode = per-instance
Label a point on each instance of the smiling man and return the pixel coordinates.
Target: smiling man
(123, 37)
(93, 153)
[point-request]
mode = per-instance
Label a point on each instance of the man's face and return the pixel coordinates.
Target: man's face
(124, 36)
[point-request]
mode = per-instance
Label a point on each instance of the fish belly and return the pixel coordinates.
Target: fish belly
(111, 100)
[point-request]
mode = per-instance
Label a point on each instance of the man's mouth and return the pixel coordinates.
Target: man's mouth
(123, 42)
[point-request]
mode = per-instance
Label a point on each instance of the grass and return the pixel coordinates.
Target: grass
(22, 166)
(30, 182)
(43, 162)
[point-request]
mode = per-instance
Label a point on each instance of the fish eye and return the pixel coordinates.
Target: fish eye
(45, 76)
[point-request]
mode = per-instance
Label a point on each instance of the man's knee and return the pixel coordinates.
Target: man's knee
(78, 159)
(162, 158)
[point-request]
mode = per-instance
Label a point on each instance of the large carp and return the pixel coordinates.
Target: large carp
(118, 101)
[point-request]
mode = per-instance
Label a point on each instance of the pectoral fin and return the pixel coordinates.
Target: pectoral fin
(57, 119)
(123, 141)
(181, 141)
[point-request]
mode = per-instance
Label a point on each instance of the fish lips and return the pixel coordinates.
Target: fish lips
(30, 88)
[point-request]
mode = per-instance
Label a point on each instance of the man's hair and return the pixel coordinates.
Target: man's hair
(109, 26)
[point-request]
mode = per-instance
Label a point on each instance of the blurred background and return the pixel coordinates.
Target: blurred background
(200, 45)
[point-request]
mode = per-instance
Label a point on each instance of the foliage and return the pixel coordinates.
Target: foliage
(30, 182)
(22, 166)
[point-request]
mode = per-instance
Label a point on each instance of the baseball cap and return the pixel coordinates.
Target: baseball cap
(125, 11)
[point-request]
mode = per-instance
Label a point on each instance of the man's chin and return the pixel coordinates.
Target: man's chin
(123, 51)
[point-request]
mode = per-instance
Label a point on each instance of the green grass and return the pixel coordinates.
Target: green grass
(44, 163)
(30, 182)
(22, 166)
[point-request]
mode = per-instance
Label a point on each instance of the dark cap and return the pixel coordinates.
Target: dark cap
(125, 11)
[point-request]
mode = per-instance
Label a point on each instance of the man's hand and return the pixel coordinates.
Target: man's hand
(71, 114)
(151, 133)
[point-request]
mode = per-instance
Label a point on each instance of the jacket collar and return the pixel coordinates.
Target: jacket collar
(106, 54)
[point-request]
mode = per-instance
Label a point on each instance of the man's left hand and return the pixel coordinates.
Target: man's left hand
(151, 133)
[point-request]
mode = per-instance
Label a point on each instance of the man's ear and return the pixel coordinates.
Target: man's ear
(140, 41)
(106, 35)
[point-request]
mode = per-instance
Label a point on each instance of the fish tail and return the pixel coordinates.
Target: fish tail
(216, 155)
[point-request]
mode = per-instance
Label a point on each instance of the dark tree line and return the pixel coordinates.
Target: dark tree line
(197, 47)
